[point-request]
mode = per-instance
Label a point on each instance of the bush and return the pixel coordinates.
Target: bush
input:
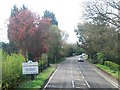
(42, 63)
(109, 70)
(112, 65)
(11, 70)
(101, 58)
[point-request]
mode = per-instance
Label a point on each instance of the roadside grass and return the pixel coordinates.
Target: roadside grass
(109, 70)
(39, 79)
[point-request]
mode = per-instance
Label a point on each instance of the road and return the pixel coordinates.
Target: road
(74, 74)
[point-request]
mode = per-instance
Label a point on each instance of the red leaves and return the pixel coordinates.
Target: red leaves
(29, 32)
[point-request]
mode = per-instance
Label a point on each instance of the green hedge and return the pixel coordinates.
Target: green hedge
(112, 65)
(11, 70)
(109, 70)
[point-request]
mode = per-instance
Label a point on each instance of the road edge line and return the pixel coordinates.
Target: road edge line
(51, 78)
(107, 79)
(53, 75)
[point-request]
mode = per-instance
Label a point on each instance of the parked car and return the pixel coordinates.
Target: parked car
(80, 59)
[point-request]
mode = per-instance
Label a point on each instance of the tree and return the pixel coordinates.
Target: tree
(29, 33)
(16, 10)
(77, 50)
(107, 10)
(64, 36)
(98, 38)
(54, 43)
(51, 15)
(70, 51)
(9, 48)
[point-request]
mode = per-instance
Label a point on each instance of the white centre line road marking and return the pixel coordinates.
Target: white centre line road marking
(73, 84)
(80, 72)
(86, 82)
(78, 79)
(71, 71)
(83, 76)
(71, 76)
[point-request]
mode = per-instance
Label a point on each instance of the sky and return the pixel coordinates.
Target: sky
(68, 13)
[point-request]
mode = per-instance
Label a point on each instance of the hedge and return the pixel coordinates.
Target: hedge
(11, 70)
(112, 65)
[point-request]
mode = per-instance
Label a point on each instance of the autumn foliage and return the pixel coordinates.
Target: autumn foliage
(29, 32)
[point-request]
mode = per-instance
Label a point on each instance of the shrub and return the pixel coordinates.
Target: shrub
(112, 65)
(43, 59)
(42, 63)
(11, 70)
(101, 58)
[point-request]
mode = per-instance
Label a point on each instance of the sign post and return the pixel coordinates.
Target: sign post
(30, 68)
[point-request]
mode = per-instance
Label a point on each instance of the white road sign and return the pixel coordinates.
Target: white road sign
(30, 68)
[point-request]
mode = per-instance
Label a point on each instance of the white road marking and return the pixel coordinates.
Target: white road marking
(51, 78)
(78, 79)
(78, 87)
(71, 76)
(71, 71)
(83, 76)
(87, 83)
(73, 84)
(53, 75)
(106, 78)
(80, 72)
(79, 69)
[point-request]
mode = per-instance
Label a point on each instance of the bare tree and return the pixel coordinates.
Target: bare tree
(108, 12)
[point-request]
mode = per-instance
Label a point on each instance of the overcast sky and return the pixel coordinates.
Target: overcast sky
(67, 12)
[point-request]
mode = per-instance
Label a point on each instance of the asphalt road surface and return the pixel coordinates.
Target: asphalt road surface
(74, 74)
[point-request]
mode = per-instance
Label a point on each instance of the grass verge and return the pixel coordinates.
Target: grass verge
(40, 79)
(113, 73)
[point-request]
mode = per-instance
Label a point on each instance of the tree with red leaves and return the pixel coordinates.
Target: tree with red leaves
(30, 33)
